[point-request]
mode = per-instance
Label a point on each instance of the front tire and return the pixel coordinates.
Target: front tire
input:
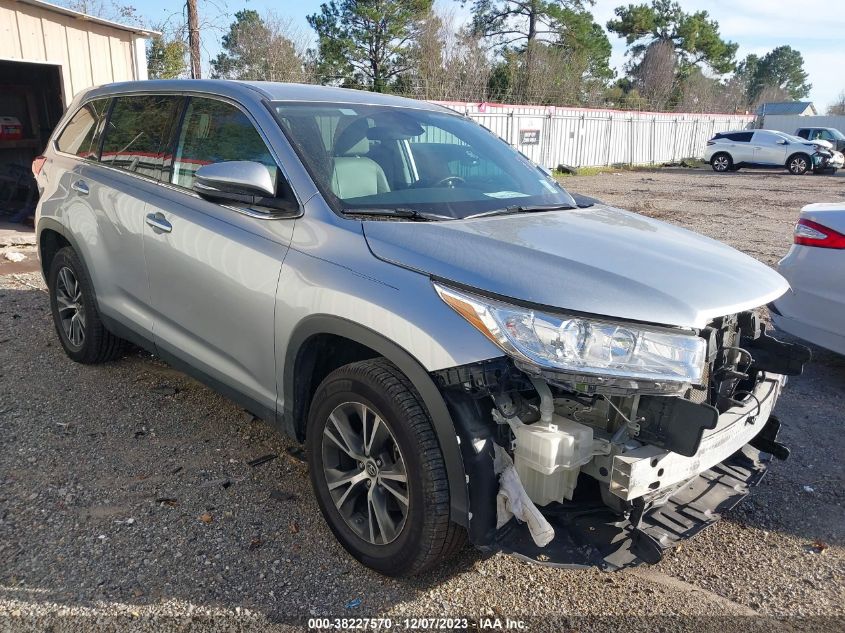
(721, 162)
(798, 164)
(81, 331)
(377, 470)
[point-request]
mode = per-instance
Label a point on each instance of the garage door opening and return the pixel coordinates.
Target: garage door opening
(30, 107)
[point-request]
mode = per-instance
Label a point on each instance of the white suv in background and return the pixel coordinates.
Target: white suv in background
(728, 151)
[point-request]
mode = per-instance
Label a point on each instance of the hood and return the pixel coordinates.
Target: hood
(820, 143)
(599, 260)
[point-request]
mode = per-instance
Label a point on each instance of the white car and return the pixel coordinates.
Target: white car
(814, 309)
(729, 151)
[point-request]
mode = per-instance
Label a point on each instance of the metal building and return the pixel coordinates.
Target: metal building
(47, 55)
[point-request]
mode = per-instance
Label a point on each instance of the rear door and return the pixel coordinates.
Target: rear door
(114, 191)
(214, 269)
(739, 146)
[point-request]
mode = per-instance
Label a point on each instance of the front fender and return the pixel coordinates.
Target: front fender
(331, 283)
(416, 373)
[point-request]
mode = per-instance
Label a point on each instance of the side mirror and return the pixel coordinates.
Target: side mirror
(243, 181)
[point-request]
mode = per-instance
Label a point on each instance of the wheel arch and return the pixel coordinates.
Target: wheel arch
(724, 153)
(800, 153)
(51, 239)
(308, 361)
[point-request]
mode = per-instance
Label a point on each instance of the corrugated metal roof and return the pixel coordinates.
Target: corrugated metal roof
(47, 6)
(786, 107)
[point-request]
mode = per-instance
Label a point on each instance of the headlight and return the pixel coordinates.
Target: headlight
(590, 351)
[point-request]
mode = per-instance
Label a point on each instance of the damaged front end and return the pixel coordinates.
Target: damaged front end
(598, 443)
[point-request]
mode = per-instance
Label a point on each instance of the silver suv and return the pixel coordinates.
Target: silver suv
(466, 349)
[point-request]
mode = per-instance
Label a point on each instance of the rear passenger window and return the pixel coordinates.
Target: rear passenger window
(740, 137)
(214, 131)
(803, 133)
(82, 134)
(138, 132)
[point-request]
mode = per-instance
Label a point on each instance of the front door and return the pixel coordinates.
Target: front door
(213, 269)
(769, 149)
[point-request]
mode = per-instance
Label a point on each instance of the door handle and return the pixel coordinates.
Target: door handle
(159, 222)
(80, 187)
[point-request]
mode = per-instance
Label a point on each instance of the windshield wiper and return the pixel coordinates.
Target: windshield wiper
(397, 212)
(536, 208)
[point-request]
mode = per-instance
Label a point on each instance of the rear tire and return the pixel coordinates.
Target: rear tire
(721, 162)
(366, 425)
(798, 164)
(74, 306)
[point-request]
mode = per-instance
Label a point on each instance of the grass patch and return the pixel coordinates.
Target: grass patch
(691, 163)
(596, 171)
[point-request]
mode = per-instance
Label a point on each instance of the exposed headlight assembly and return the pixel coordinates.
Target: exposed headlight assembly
(586, 353)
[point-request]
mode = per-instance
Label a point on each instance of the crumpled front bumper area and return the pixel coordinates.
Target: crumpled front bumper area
(837, 161)
(595, 536)
(729, 461)
(649, 468)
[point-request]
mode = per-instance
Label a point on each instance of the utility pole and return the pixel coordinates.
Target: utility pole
(194, 39)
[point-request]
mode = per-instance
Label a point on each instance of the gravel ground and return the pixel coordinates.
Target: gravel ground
(127, 501)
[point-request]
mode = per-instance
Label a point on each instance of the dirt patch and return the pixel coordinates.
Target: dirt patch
(754, 211)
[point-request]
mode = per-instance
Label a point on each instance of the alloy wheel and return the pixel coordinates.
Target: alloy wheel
(70, 306)
(365, 473)
(721, 163)
(798, 165)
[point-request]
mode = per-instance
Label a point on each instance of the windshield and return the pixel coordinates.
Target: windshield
(369, 157)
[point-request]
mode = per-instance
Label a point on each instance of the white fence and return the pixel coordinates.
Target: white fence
(551, 136)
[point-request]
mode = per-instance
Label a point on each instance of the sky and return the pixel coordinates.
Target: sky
(814, 27)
